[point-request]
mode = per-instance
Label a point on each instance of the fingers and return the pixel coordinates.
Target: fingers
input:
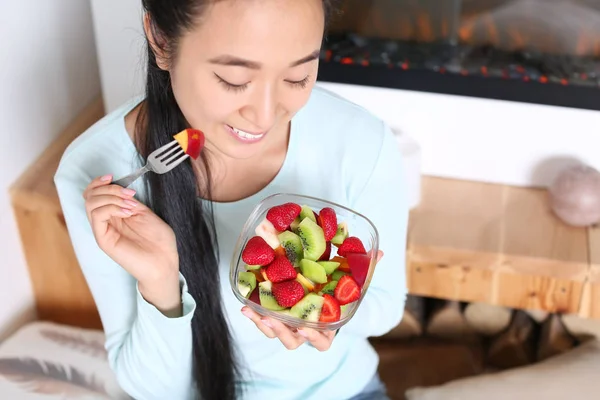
(100, 216)
(289, 338)
(254, 317)
(320, 340)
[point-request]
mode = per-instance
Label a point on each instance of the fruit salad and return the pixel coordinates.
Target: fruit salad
(191, 141)
(303, 263)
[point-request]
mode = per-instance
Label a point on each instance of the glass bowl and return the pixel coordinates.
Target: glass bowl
(362, 265)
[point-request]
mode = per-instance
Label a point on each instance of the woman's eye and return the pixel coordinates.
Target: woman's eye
(231, 86)
(301, 84)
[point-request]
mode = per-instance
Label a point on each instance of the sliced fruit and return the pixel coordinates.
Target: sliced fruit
(283, 215)
(280, 251)
(258, 252)
(347, 290)
(258, 274)
(343, 263)
(267, 300)
(328, 221)
(246, 283)
(327, 253)
(191, 141)
(292, 245)
(330, 311)
(281, 269)
(351, 244)
(313, 271)
(328, 288)
(253, 267)
(313, 241)
(329, 266)
(288, 293)
(308, 285)
(307, 212)
(267, 231)
(337, 275)
(309, 308)
(263, 273)
(341, 234)
(359, 267)
(255, 296)
(294, 225)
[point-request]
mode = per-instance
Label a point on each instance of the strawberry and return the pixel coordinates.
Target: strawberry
(283, 215)
(281, 269)
(258, 252)
(326, 253)
(331, 310)
(328, 221)
(288, 293)
(351, 244)
(347, 290)
(359, 267)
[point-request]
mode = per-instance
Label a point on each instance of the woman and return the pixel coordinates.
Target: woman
(156, 257)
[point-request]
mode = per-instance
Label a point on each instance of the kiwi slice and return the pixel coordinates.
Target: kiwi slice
(309, 308)
(341, 234)
(295, 223)
(313, 271)
(246, 283)
(329, 288)
(292, 245)
(307, 212)
(337, 275)
(252, 267)
(267, 300)
(329, 266)
(313, 239)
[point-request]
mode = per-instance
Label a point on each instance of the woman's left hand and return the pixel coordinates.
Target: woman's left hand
(290, 337)
(293, 338)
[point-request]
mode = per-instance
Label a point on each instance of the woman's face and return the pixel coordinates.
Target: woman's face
(246, 69)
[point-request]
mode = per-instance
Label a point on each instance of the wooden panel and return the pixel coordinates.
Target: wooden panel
(590, 305)
(473, 241)
(61, 292)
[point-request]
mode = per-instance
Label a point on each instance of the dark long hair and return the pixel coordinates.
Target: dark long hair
(176, 198)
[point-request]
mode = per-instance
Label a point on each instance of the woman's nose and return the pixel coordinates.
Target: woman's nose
(262, 109)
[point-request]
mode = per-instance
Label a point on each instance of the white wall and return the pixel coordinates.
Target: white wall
(48, 74)
(120, 43)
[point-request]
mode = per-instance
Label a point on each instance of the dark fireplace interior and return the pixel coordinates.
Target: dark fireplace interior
(536, 51)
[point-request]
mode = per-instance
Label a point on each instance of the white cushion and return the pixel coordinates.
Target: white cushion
(574, 374)
(49, 361)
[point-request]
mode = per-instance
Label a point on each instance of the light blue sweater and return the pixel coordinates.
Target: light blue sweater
(337, 151)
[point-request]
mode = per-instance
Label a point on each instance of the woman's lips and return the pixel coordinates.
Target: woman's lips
(243, 136)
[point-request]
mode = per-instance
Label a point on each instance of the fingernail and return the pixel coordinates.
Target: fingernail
(130, 203)
(106, 178)
(267, 323)
(126, 211)
(246, 312)
(302, 333)
(128, 192)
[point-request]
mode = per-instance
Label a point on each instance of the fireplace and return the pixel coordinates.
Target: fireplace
(531, 51)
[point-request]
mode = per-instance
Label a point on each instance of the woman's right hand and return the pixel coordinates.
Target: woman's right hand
(136, 239)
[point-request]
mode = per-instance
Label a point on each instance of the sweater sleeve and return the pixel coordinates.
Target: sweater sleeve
(383, 201)
(150, 353)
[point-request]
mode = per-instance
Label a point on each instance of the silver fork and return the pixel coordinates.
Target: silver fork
(161, 160)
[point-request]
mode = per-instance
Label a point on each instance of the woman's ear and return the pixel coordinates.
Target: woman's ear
(156, 43)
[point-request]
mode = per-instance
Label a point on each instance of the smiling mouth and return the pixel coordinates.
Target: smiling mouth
(247, 136)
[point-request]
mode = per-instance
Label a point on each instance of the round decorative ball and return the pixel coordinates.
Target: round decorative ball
(575, 196)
